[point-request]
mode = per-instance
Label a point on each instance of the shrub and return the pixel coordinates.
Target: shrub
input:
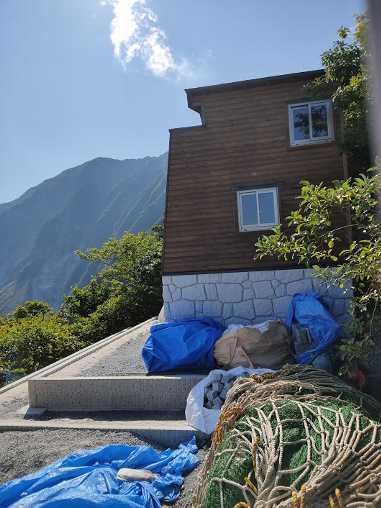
(34, 342)
(31, 308)
(110, 317)
(346, 80)
(85, 300)
(313, 239)
(125, 292)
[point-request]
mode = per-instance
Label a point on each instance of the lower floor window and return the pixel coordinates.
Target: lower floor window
(258, 209)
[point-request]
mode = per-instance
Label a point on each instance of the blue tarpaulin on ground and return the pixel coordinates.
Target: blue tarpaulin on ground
(308, 311)
(182, 345)
(87, 479)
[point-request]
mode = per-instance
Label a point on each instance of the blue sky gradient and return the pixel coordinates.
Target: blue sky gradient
(65, 97)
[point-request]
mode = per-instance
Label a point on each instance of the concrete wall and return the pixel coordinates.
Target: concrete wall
(245, 297)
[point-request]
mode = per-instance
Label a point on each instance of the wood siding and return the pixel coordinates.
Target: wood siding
(243, 143)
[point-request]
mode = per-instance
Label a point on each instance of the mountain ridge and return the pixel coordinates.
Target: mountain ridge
(79, 208)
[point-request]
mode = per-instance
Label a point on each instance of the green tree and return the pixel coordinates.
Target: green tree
(31, 308)
(345, 79)
(126, 291)
(33, 342)
(313, 238)
(336, 225)
(158, 230)
(85, 300)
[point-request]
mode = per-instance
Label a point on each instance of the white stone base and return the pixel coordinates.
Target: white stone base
(246, 297)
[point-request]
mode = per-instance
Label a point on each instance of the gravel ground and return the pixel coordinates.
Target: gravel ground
(24, 452)
(191, 481)
(126, 359)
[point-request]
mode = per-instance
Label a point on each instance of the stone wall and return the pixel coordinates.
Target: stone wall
(245, 297)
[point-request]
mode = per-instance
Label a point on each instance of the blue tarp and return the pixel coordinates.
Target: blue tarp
(87, 479)
(306, 309)
(185, 345)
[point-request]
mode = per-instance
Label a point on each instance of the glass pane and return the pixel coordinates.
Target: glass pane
(301, 123)
(266, 208)
(249, 209)
(319, 117)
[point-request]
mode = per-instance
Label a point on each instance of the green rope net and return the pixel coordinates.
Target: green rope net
(295, 438)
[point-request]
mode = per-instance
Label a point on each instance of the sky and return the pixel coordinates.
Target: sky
(105, 78)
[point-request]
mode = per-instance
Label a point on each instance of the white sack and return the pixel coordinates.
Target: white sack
(196, 414)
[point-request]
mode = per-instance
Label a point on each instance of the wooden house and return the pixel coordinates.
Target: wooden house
(231, 179)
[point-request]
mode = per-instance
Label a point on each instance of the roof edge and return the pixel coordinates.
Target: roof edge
(250, 83)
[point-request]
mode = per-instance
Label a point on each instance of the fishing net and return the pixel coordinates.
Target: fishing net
(298, 437)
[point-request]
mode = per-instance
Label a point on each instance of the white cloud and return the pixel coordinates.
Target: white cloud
(135, 33)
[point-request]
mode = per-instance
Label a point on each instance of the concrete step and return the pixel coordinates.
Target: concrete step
(117, 393)
(167, 432)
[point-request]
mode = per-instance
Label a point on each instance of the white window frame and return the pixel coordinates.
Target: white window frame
(311, 140)
(259, 226)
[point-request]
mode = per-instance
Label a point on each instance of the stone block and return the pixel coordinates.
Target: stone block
(280, 290)
(244, 310)
(261, 319)
(237, 321)
(246, 284)
(229, 292)
(248, 294)
(167, 312)
(281, 305)
(261, 275)
(209, 278)
(182, 309)
(336, 292)
(299, 286)
(212, 309)
(263, 307)
(275, 283)
(182, 281)
(166, 279)
(289, 275)
(227, 310)
(263, 289)
(236, 277)
(195, 292)
(319, 286)
(175, 292)
(339, 307)
(198, 308)
(167, 297)
(327, 302)
(211, 291)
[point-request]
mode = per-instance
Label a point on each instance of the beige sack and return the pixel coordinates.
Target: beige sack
(248, 347)
(140, 475)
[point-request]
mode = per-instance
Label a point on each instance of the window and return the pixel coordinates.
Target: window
(310, 122)
(258, 209)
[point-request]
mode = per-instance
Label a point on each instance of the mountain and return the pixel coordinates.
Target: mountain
(77, 209)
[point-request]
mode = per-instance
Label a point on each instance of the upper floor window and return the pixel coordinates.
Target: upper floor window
(258, 209)
(310, 122)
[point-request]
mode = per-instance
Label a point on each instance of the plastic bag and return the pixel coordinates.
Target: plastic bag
(185, 345)
(199, 416)
(267, 345)
(306, 309)
(88, 479)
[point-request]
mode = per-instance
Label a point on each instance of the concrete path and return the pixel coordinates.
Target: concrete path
(122, 397)
(118, 358)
